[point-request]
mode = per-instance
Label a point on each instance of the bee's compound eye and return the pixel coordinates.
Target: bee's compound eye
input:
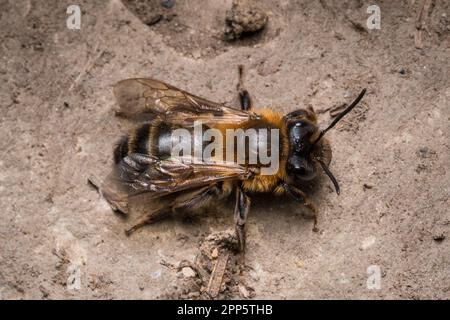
(300, 168)
(299, 135)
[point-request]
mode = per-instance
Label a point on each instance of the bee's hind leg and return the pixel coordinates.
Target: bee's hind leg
(240, 215)
(300, 196)
(244, 96)
(149, 219)
(186, 201)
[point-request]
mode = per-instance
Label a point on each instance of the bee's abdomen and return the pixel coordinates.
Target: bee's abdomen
(139, 140)
(148, 139)
(136, 142)
(161, 140)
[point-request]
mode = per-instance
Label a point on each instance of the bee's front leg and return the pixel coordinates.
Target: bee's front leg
(300, 196)
(244, 96)
(240, 215)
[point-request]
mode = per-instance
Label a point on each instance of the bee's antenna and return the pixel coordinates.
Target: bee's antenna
(341, 115)
(330, 175)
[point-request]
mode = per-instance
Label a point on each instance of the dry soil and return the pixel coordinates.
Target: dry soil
(58, 237)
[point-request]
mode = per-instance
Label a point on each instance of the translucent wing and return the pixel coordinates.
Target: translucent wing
(139, 174)
(143, 97)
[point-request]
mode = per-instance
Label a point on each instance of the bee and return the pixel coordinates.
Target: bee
(145, 169)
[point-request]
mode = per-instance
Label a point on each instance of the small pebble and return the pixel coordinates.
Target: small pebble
(153, 19)
(193, 295)
(188, 272)
(244, 292)
(215, 253)
(424, 152)
(168, 3)
(196, 54)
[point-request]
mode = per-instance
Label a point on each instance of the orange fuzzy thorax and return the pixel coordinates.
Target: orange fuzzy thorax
(269, 183)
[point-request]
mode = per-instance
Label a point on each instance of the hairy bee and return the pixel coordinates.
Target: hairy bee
(145, 168)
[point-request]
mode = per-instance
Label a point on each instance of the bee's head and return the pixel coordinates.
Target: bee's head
(302, 132)
(308, 150)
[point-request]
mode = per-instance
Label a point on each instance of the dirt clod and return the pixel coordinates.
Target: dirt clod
(244, 18)
(154, 19)
(188, 272)
(168, 3)
(214, 272)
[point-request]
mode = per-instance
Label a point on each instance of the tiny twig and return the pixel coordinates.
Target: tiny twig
(421, 23)
(94, 182)
(167, 264)
(216, 279)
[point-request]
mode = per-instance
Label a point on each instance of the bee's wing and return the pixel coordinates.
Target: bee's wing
(146, 98)
(145, 175)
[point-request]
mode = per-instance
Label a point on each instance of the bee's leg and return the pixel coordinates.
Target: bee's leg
(301, 197)
(187, 201)
(148, 219)
(244, 96)
(240, 215)
(193, 200)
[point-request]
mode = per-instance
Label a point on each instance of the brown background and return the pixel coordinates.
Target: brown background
(57, 127)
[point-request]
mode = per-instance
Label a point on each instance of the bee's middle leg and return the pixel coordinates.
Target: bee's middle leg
(240, 215)
(244, 96)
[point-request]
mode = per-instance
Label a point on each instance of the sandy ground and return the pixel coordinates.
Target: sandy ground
(59, 239)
